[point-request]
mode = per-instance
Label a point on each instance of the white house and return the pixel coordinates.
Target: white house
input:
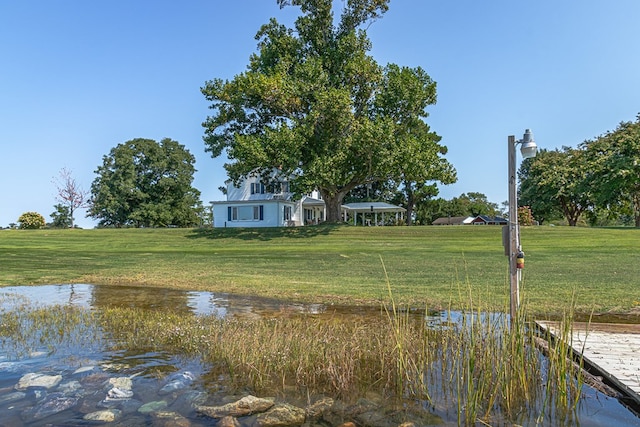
(254, 204)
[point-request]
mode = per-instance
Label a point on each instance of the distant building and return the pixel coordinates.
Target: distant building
(470, 220)
(373, 213)
(453, 220)
(254, 204)
(489, 220)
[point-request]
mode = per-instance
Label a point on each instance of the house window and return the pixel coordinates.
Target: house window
(287, 213)
(278, 188)
(245, 213)
(257, 188)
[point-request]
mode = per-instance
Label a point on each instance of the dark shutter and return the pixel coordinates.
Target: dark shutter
(261, 213)
(229, 213)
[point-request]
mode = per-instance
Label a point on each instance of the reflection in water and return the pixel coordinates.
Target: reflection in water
(152, 370)
(177, 301)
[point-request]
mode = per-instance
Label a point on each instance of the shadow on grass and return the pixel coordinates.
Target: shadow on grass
(264, 234)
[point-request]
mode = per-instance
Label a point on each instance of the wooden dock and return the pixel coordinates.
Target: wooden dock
(611, 349)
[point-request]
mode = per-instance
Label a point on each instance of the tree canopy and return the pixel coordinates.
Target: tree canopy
(144, 183)
(315, 105)
(556, 181)
(615, 164)
(600, 178)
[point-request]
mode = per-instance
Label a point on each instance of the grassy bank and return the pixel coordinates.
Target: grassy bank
(433, 266)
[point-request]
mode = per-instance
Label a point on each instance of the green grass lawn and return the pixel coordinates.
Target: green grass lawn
(436, 267)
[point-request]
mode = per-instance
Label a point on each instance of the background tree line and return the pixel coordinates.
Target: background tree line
(316, 105)
(145, 183)
(141, 183)
(312, 103)
(598, 182)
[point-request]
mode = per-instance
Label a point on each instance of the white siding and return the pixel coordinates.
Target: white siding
(272, 214)
(252, 193)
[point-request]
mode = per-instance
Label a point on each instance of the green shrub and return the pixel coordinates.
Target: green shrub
(31, 221)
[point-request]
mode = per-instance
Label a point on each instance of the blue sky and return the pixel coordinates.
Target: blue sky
(79, 77)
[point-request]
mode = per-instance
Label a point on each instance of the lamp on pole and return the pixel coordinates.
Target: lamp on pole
(528, 148)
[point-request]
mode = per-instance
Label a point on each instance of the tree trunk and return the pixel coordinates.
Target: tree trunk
(636, 209)
(410, 204)
(333, 203)
(571, 212)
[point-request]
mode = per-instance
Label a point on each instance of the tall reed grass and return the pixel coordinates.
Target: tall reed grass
(471, 365)
(25, 329)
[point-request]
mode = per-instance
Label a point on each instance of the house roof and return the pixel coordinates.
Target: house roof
(452, 220)
(488, 219)
(252, 202)
(372, 207)
(310, 201)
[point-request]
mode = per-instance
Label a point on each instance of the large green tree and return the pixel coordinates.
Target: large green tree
(144, 183)
(557, 181)
(384, 191)
(314, 104)
(615, 168)
(404, 97)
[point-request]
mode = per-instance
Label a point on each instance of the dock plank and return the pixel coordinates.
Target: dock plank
(612, 348)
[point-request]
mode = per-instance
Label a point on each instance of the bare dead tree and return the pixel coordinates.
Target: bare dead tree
(70, 193)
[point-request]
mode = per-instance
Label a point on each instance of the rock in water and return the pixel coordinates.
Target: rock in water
(170, 419)
(246, 406)
(228, 421)
(280, 416)
(52, 404)
(123, 383)
(317, 409)
(70, 388)
(177, 381)
(34, 379)
(106, 416)
(119, 394)
(155, 406)
(84, 370)
(116, 394)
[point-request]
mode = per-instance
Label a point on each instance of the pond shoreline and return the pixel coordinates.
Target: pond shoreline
(267, 347)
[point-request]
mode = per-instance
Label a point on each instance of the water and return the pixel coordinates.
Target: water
(198, 303)
(176, 382)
